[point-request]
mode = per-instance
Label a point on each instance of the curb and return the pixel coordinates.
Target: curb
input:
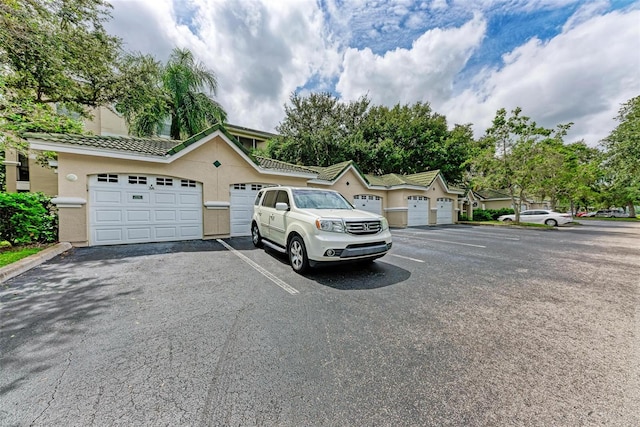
(19, 267)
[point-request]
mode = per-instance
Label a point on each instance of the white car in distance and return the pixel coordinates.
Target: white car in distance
(314, 226)
(540, 216)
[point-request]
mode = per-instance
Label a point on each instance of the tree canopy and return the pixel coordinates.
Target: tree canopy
(321, 130)
(57, 59)
(622, 157)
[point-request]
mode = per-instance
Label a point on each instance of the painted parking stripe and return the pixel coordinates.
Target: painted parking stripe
(442, 241)
(261, 270)
(406, 257)
(477, 233)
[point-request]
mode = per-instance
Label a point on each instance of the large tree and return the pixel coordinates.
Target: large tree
(180, 92)
(318, 130)
(321, 130)
(510, 156)
(58, 52)
(55, 58)
(622, 161)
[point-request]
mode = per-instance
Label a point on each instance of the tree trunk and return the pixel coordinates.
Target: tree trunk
(632, 210)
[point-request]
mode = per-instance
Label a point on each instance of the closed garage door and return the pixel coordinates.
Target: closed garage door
(132, 208)
(369, 203)
(445, 211)
(241, 209)
(418, 212)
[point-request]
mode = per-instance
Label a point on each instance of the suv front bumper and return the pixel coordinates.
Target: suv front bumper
(328, 246)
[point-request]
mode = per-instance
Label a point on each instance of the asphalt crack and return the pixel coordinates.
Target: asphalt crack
(55, 389)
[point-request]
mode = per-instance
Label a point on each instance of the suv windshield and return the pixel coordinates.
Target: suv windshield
(314, 199)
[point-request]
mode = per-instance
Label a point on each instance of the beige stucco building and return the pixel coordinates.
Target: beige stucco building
(117, 189)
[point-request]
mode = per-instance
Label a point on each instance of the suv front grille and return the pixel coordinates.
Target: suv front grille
(363, 227)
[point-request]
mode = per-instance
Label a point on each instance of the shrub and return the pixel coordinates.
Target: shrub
(490, 214)
(27, 218)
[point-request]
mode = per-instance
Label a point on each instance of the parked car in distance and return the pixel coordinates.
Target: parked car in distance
(611, 213)
(540, 216)
(314, 226)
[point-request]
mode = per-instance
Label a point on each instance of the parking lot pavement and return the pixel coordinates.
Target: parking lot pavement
(457, 325)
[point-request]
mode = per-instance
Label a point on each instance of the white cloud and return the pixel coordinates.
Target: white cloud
(423, 73)
(263, 50)
(582, 75)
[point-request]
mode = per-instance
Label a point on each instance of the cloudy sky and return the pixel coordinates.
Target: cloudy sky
(559, 60)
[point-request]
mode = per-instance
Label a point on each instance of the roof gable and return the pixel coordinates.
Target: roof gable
(489, 194)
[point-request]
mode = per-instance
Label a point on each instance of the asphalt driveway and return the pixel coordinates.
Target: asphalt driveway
(458, 325)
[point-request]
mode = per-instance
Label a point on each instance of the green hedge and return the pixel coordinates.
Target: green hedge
(490, 214)
(27, 218)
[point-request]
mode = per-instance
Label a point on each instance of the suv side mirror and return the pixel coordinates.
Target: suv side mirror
(281, 206)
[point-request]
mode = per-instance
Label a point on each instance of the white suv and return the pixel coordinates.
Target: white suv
(314, 226)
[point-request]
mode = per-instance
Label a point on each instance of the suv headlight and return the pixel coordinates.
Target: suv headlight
(384, 223)
(335, 225)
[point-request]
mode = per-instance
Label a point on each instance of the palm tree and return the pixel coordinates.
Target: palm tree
(153, 93)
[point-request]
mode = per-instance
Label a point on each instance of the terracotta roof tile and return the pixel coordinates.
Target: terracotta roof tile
(268, 163)
(146, 146)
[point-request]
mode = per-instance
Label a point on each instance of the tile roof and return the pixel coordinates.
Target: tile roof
(424, 178)
(272, 164)
(165, 147)
(147, 146)
(330, 173)
(492, 194)
(160, 147)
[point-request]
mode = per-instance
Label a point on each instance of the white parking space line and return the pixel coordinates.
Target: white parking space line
(406, 257)
(261, 270)
(474, 233)
(421, 237)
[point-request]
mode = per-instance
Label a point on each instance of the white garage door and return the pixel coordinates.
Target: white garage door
(418, 213)
(135, 208)
(445, 211)
(241, 209)
(369, 203)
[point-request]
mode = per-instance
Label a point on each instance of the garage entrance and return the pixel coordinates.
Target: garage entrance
(135, 208)
(445, 211)
(418, 211)
(368, 202)
(241, 209)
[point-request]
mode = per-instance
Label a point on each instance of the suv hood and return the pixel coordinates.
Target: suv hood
(343, 213)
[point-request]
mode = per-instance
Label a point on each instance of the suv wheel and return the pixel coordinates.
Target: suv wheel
(298, 255)
(255, 236)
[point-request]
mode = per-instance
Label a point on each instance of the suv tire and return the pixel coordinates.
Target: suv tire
(256, 238)
(298, 255)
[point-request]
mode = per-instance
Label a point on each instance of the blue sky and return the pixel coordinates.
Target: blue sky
(560, 60)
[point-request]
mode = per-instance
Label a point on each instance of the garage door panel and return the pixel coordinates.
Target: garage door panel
(444, 214)
(105, 216)
(122, 211)
(108, 235)
(164, 215)
(190, 199)
(139, 234)
(165, 199)
(103, 196)
(190, 231)
(166, 232)
(368, 203)
(138, 216)
(242, 197)
(418, 211)
(189, 215)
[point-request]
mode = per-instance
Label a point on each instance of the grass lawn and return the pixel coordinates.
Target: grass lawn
(13, 254)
